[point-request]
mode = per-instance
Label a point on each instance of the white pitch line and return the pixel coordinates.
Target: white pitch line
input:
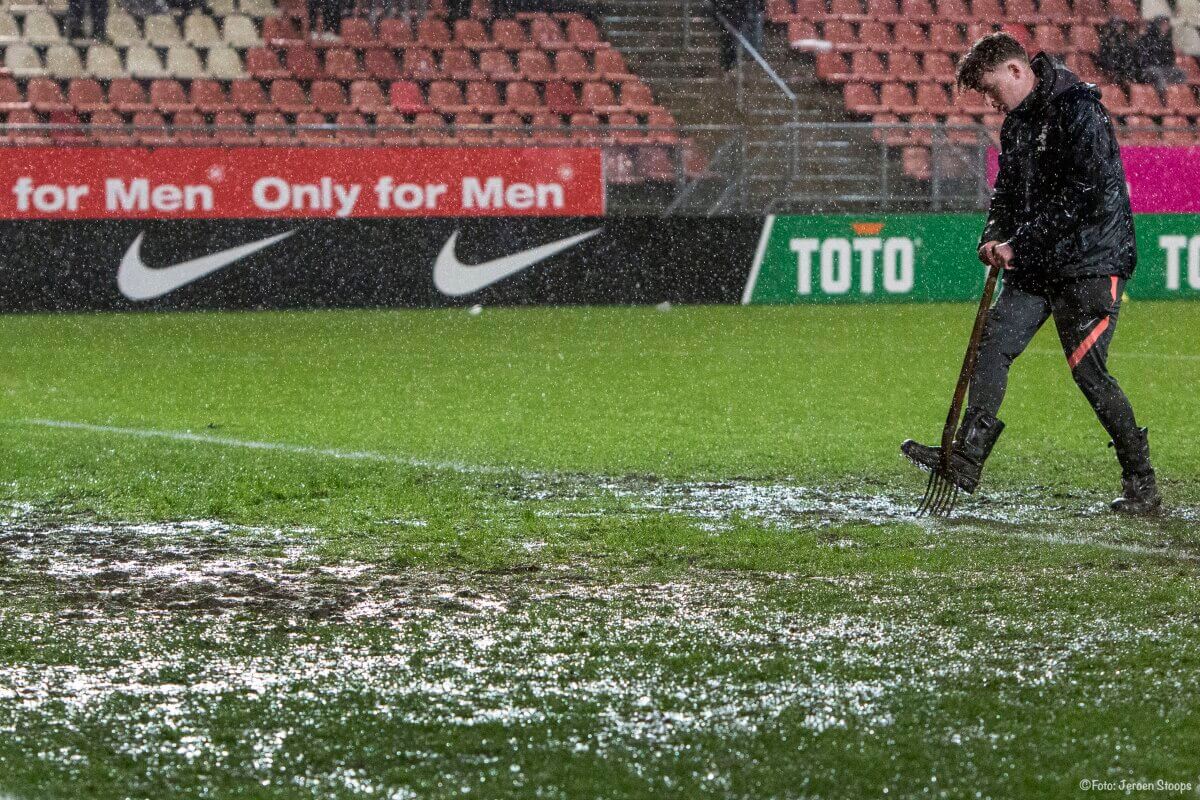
(283, 447)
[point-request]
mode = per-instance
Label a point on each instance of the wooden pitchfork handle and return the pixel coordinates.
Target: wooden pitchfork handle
(968, 368)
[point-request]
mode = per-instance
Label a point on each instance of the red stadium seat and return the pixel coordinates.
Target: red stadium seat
(932, 98)
(897, 98)
(910, 35)
(874, 34)
(610, 65)
(288, 97)
(1083, 66)
(861, 98)
(1084, 38)
(481, 9)
(546, 33)
(1055, 11)
(356, 32)
(128, 96)
(548, 128)
(882, 10)
(571, 66)
(582, 33)
(509, 34)
(497, 65)
(945, 36)
(406, 98)
(189, 127)
(459, 64)
(343, 65)
(849, 10)
(209, 97)
(534, 65)
(917, 11)
(279, 31)
(168, 95)
(393, 129)
(27, 136)
(108, 128)
(1139, 130)
(84, 94)
(431, 129)
(1050, 38)
(623, 128)
(381, 65)
(509, 128)
(938, 66)
(867, 65)
(150, 129)
(471, 34)
(328, 97)
(1144, 99)
(959, 131)
(45, 96)
(954, 12)
(395, 32)
(598, 97)
(11, 98)
(433, 33)
(467, 128)
(420, 64)
(1177, 131)
(352, 129)
(302, 63)
(248, 96)
(636, 96)
(231, 129)
(446, 96)
(263, 64)
(1115, 100)
(310, 130)
(1181, 99)
(522, 96)
(366, 96)
(561, 99)
(832, 66)
(270, 128)
(902, 66)
(915, 162)
(483, 96)
(841, 34)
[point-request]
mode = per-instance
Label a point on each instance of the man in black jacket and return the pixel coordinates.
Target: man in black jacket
(1061, 226)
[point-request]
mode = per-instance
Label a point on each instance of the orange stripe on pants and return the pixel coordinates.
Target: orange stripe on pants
(1092, 337)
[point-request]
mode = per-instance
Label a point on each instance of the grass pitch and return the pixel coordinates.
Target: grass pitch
(580, 553)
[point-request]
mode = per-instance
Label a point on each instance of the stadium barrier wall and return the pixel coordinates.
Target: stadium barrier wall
(124, 265)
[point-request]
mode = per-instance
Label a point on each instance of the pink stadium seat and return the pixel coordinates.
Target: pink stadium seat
(446, 96)
(582, 33)
(168, 95)
(497, 65)
(209, 97)
(1126, 9)
(381, 65)
(571, 66)
(84, 94)
(328, 97)
(522, 96)
(459, 64)
(366, 96)
(888, 130)
(128, 96)
(799, 30)
(932, 98)
(279, 31)
(406, 98)
(655, 164)
(263, 64)
(1115, 99)
(945, 36)
(897, 98)
(395, 32)
(832, 66)
(910, 35)
(902, 66)
(610, 64)
(288, 97)
(861, 98)
(546, 33)
(189, 127)
(597, 96)
(45, 96)
(637, 97)
(342, 64)
(561, 99)
(987, 10)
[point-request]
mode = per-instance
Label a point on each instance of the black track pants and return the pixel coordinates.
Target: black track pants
(1085, 314)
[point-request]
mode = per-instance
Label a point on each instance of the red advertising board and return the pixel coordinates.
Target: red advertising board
(265, 182)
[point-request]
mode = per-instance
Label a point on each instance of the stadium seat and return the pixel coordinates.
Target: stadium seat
(585, 129)
(882, 10)
(302, 63)
(45, 96)
(888, 130)
(561, 99)
(945, 36)
(168, 95)
(63, 62)
(1050, 38)
(239, 32)
(189, 128)
(11, 98)
(1144, 99)
(546, 33)
(287, 96)
(367, 97)
(160, 30)
(832, 66)
(446, 96)
(279, 32)
(143, 62)
(1139, 130)
(847, 10)
(458, 64)
(960, 129)
(352, 129)
(248, 96)
(433, 33)
(209, 97)
(342, 64)
(393, 129)
(70, 130)
(534, 65)
(328, 97)
(395, 32)
(875, 35)
(571, 66)
(22, 61)
(481, 9)
(1115, 99)
(508, 129)
(257, 8)
(419, 64)
(840, 34)
(596, 96)
(497, 65)
(1177, 131)
(1056, 11)
(483, 97)
(522, 96)
(25, 135)
(128, 96)
(184, 63)
(897, 98)
(41, 28)
(1181, 99)
(610, 65)
(406, 98)
(231, 130)
(356, 33)
(200, 30)
(271, 129)
(939, 67)
(263, 64)
(910, 35)
(430, 129)
(548, 128)
(915, 162)
(471, 34)
(1083, 66)
(861, 98)
(971, 102)
(10, 32)
(108, 128)
(122, 28)
(224, 63)
(150, 129)
(381, 65)
(509, 34)
(902, 66)
(932, 98)
(636, 97)
(468, 128)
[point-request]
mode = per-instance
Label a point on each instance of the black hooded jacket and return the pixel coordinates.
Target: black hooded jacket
(1061, 199)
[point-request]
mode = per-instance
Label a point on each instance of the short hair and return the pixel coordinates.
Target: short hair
(985, 55)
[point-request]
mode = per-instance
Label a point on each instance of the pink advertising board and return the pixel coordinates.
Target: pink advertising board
(1162, 180)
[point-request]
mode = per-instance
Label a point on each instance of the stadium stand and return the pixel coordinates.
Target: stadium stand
(248, 72)
(895, 62)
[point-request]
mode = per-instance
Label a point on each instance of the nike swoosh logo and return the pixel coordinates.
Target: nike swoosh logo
(454, 278)
(140, 282)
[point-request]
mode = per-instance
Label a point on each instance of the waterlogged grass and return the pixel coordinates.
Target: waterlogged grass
(579, 553)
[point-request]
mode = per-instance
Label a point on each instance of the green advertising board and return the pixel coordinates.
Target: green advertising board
(931, 258)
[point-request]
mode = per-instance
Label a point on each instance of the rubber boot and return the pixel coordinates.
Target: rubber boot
(1139, 489)
(973, 444)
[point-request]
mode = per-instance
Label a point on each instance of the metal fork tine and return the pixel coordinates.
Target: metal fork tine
(930, 488)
